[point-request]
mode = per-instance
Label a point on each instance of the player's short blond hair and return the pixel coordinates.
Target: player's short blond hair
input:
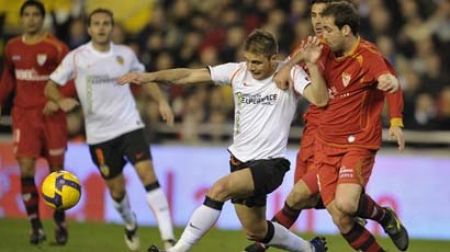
(261, 42)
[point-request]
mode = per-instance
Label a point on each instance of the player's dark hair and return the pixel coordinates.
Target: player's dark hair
(343, 14)
(100, 10)
(261, 42)
(354, 3)
(34, 3)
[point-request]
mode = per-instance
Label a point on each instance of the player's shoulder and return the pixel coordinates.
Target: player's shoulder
(120, 48)
(368, 48)
(53, 41)
(14, 41)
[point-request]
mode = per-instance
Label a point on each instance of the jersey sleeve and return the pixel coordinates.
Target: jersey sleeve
(300, 78)
(223, 74)
(8, 80)
(395, 102)
(65, 71)
(136, 65)
(376, 66)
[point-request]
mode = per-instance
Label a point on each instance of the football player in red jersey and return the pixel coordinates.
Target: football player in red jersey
(39, 126)
(349, 133)
(305, 193)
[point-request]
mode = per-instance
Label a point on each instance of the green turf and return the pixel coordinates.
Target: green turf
(101, 237)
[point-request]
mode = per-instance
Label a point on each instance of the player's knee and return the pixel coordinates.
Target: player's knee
(220, 191)
(299, 197)
(26, 167)
(117, 194)
(256, 232)
(347, 205)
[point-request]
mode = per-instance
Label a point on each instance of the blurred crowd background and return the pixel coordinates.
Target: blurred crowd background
(413, 34)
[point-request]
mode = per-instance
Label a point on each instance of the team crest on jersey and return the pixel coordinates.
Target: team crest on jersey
(346, 77)
(120, 60)
(41, 58)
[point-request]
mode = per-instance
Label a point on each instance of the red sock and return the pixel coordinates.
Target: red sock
(30, 198)
(361, 239)
(286, 216)
(369, 209)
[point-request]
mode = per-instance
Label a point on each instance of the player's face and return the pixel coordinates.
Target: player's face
(100, 28)
(316, 17)
(260, 66)
(32, 20)
(333, 36)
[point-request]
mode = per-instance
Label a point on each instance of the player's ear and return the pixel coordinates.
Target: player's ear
(273, 57)
(346, 30)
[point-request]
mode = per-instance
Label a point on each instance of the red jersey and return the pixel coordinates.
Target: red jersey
(353, 114)
(27, 68)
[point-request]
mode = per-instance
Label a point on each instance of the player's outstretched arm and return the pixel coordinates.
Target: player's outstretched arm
(52, 93)
(317, 92)
(175, 76)
(153, 90)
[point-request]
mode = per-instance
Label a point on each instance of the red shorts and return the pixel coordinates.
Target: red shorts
(341, 165)
(304, 166)
(36, 135)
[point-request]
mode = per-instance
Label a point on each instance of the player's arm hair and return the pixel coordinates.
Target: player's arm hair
(52, 92)
(316, 92)
(180, 76)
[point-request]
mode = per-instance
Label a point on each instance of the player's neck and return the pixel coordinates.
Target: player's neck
(350, 46)
(33, 38)
(101, 47)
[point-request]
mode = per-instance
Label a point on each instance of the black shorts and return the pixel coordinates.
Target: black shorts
(267, 176)
(111, 156)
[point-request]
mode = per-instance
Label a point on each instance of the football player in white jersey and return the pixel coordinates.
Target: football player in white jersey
(263, 114)
(114, 128)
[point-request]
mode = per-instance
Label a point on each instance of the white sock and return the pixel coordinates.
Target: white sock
(201, 221)
(125, 212)
(285, 239)
(160, 207)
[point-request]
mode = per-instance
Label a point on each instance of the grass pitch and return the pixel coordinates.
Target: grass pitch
(100, 237)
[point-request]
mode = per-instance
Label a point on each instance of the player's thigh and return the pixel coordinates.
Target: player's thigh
(305, 156)
(108, 158)
(135, 146)
(300, 197)
(253, 220)
(235, 185)
(137, 152)
(356, 166)
(55, 135)
(27, 136)
(327, 161)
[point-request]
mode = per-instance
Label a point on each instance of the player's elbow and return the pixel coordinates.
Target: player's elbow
(320, 101)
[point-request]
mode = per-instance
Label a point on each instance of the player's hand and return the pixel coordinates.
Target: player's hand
(283, 78)
(388, 83)
(396, 133)
(68, 104)
(312, 50)
(132, 78)
(50, 108)
(166, 112)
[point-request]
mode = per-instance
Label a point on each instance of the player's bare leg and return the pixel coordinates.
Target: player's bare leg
(299, 198)
(116, 187)
(30, 197)
(157, 201)
(342, 209)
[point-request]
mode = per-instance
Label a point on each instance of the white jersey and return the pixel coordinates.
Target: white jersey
(109, 108)
(263, 112)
